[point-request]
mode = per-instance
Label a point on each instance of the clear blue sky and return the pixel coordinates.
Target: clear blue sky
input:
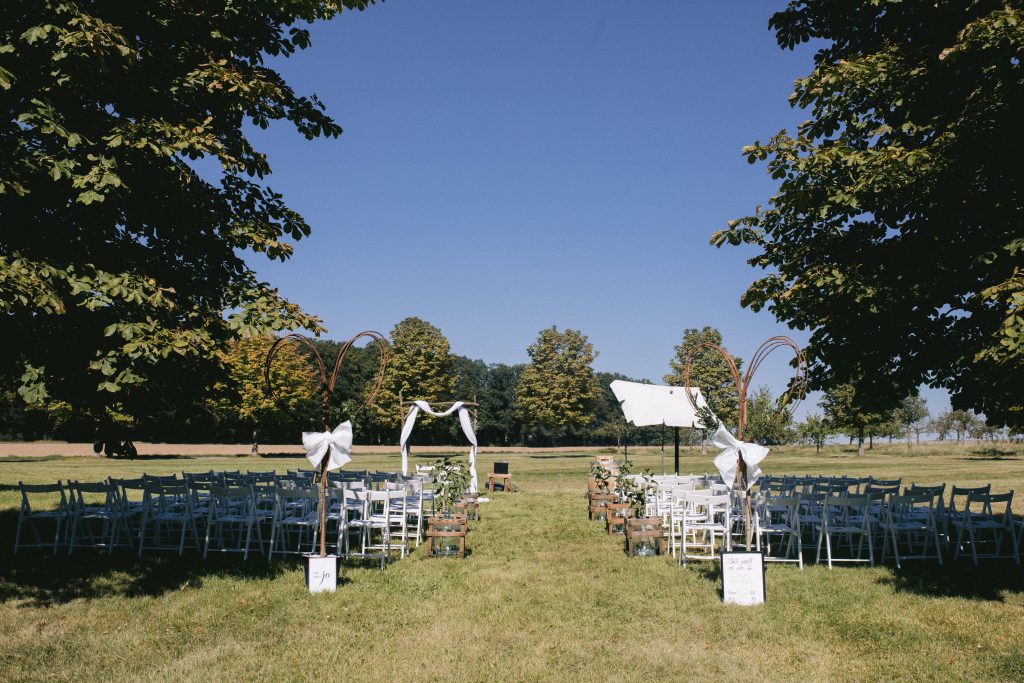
(506, 167)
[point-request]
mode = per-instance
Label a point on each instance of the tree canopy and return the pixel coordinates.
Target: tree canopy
(895, 236)
(709, 372)
(557, 389)
(420, 367)
(845, 412)
(123, 268)
(244, 402)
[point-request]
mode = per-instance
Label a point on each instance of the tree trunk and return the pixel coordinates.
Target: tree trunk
(860, 443)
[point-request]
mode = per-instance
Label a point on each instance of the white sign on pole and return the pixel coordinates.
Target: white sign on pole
(742, 578)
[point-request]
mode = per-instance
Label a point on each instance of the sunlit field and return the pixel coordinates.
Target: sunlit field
(544, 594)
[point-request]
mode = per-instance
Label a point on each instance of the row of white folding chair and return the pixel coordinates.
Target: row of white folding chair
(88, 514)
(413, 505)
(168, 513)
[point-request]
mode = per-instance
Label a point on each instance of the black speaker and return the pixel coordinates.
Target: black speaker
(501, 467)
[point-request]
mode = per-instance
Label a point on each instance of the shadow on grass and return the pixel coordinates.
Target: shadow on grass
(559, 456)
(42, 579)
(988, 581)
(991, 454)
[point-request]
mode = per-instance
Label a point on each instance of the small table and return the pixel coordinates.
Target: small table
(504, 479)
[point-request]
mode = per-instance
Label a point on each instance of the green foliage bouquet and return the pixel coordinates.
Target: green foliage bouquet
(451, 481)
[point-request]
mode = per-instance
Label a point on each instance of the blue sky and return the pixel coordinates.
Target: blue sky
(506, 167)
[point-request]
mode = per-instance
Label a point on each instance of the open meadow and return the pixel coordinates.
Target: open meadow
(545, 594)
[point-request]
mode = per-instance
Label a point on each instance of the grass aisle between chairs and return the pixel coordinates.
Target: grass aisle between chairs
(544, 595)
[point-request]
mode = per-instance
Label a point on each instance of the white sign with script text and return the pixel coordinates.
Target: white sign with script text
(742, 578)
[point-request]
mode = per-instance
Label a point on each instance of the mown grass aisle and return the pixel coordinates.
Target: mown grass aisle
(544, 595)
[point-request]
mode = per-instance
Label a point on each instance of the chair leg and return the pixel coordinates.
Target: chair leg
(74, 537)
(17, 534)
(56, 535)
(206, 545)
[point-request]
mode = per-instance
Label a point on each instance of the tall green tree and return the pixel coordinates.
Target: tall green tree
(557, 391)
(895, 236)
(709, 372)
(420, 367)
(243, 403)
(912, 415)
(815, 430)
(963, 422)
(941, 424)
(123, 270)
(767, 422)
(845, 412)
(498, 422)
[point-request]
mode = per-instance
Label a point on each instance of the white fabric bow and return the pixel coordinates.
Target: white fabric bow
(467, 429)
(733, 449)
(339, 442)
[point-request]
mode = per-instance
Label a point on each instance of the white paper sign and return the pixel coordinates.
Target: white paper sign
(742, 578)
(322, 573)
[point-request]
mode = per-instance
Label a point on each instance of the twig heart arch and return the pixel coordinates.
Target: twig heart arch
(326, 390)
(797, 385)
(327, 383)
(789, 402)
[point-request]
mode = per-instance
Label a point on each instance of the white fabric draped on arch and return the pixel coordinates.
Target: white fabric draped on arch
(467, 428)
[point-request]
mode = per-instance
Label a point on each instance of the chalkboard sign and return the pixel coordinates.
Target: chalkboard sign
(742, 578)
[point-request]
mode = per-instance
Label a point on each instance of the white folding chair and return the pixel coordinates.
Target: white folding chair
(849, 518)
(167, 506)
(295, 516)
(709, 526)
(374, 518)
(779, 516)
(102, 511)
(232, 516)
(912, 519)
(994, 520)
(31, 517)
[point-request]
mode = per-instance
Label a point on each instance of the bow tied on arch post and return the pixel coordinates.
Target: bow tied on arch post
(738, 462)
(329, 450)
(336, 446)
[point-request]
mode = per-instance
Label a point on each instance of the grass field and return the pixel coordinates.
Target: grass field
(544, 595)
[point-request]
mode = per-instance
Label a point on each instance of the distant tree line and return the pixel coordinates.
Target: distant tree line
(556, 399)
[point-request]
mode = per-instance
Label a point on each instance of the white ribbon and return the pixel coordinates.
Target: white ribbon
(339, 442)
(467, 429)
(733, 449)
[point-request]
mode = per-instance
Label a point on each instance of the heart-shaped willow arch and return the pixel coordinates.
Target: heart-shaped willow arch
(326, 391)
(790, 400)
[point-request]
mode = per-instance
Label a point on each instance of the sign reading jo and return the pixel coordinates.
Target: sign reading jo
(742, 578)
(322, 574)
